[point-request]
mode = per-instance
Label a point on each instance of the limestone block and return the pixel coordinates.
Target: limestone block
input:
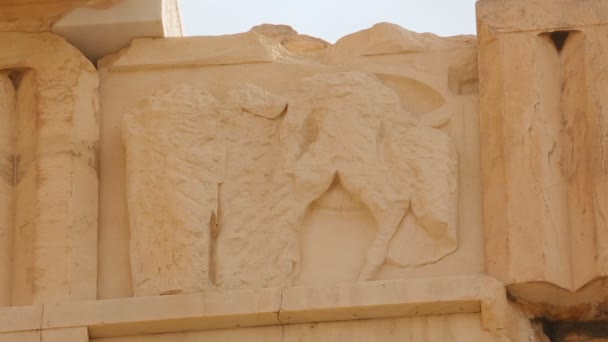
(381, 299)
(312, 154)
(239, 48)
(51, 197)
(542, 136)
(100, 31)
(291, 40)
(348, 130)
(160, 314)
(439, 328)
(383, 38)
(176, 161)
(256, 334)
(21, 318)
(417, 304)
(25, 336)
(345, 129)
(40, 15)
(7, 174)
(80, 334)
(505, 16)
(52, 335)
(453, 328)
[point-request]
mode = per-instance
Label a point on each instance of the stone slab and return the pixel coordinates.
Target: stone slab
(528, 15)
(147, 315)
(101, 31)
(20, 318)
(24, 336)
(382, 299)
(266, 307)
(80, 334)
(241, 48)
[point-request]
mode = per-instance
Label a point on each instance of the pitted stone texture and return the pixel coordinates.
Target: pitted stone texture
(212, 203)
(54, 190)
(40, 15)
(334, 171)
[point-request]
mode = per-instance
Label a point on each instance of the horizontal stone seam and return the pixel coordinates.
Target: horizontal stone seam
(497, 30)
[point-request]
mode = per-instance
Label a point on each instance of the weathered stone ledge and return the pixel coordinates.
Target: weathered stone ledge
(263, 307)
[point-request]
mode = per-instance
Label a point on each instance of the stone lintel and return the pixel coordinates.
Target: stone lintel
(265, 307)
(503, 16)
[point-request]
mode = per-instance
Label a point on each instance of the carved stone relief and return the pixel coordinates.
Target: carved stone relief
(238, 192)
(349, 129)
(176, 163)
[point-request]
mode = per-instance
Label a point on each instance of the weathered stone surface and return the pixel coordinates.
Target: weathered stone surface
(234, 315)
(349, 129)
(356, 154)
(290, 39)
(345, 128)
(80, 334)
(40, 15)
(384, 39)
(503, 16)
(114, 26)
(280, 33)
(543, 129)
(269, 185)
(95, 27)
(239, 48)
(25, 336)
(7, 180)
(176, 162)
(53, 191)
(455, 328)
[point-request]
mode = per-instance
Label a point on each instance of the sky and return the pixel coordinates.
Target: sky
(327, 19)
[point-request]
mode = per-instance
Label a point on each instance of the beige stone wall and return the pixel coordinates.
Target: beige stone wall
(268, 185)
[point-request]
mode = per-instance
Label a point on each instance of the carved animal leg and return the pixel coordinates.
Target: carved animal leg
(388, 222)
(388, 209)
(312, 179)
(309, 185)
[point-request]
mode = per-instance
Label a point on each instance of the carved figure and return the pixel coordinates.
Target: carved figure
(176, 159)
(175, 162)
(351, 126)
(198, 167)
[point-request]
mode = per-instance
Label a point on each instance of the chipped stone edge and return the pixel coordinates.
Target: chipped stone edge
(246, 48)
(268, 307)
(556, 16)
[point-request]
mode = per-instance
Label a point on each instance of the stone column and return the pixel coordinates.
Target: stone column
(7, 158)
(543, 66)
(54, 186)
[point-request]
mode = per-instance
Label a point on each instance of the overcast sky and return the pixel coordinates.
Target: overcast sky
(328, 19)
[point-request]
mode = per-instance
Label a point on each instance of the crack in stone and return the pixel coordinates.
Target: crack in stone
(279, 317)
(41, 323)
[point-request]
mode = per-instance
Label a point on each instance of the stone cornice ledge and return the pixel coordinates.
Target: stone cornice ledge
(263, 307)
